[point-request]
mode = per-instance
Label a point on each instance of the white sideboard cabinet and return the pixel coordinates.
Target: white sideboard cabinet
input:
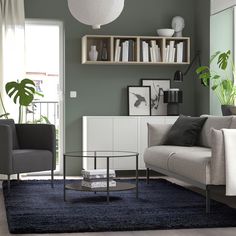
(118, 133)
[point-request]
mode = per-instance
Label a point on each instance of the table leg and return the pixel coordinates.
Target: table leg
(137, 176)
(108, 180)
(95, 163)
(95, 160)
(64, 176)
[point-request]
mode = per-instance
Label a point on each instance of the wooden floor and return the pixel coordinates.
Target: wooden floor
(218, 195)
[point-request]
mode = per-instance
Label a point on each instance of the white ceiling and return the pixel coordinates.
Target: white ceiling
(219, 5)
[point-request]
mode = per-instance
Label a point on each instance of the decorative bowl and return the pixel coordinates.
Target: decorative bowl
(165, 32)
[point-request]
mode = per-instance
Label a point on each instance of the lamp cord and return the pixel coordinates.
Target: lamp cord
(197, 55)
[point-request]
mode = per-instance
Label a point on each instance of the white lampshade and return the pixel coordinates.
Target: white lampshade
(96, 12)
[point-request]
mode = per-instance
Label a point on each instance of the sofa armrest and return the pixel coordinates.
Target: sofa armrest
(217, 167)
(37, 136)
(6, 145)
(157, 133)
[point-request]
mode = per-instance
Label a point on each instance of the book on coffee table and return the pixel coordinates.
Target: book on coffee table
(98, 174)
(98, 178)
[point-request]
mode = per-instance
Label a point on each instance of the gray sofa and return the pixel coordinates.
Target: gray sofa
(202, 166)
(26, 148)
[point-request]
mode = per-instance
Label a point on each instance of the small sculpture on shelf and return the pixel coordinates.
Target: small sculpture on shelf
(178, 25)
(93, 53)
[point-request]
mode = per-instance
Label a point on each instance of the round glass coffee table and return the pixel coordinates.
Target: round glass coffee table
(120, 186)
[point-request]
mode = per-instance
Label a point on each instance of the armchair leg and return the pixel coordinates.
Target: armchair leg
(8, 183)
(147, 175)
(52, 178)
(208, 199)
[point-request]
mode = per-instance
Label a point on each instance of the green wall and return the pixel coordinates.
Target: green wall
(222, 39)
(102, 89)
(202, 39)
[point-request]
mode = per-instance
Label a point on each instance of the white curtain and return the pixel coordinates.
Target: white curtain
(12, 58)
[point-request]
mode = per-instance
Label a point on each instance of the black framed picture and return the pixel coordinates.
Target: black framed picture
(158, 107)
(139, 100)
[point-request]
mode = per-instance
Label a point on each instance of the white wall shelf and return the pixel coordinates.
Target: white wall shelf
(110, 43)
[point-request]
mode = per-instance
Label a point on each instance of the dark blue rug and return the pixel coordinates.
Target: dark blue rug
(34, 207)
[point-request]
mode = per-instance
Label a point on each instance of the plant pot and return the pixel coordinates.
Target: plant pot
(228, 110)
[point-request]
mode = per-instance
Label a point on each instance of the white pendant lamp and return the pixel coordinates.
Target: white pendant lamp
(96, 12)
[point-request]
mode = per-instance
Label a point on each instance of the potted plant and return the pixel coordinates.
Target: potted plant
(221, 83)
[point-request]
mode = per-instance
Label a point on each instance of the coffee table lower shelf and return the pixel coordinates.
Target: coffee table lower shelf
(120, 186)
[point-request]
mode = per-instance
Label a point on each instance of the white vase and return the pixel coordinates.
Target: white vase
(93, 53)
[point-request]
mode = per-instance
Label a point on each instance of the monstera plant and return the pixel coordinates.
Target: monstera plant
(22, 93)
(221, 81)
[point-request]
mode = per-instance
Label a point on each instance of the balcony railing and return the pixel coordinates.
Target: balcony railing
(43, 112)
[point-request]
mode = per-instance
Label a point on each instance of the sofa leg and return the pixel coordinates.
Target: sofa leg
(8, 183)
(147, 175)
(208, 200)
(52, 178)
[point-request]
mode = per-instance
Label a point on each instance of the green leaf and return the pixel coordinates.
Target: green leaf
(215, 77)
(201, 69)
(214, 87)
(214, 56)
(23, 92)
(223, 60)
(205, 76)
(206, 82)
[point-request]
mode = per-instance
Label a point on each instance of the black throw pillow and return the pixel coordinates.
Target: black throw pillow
(185, 131)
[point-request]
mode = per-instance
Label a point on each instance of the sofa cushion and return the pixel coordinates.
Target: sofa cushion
(30, 160)
(11, 124)
(159, 155)
(185, 131)
(216, 122)
(192, 163)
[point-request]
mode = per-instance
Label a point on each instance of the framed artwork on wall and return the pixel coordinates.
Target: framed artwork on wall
(157, 105)
(139, 100)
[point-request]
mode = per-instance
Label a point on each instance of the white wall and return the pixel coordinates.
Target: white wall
(220, 5)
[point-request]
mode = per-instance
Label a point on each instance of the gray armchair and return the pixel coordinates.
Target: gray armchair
(26, 148)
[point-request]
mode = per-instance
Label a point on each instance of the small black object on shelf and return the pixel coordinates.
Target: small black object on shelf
(173, 97)
(179, 75)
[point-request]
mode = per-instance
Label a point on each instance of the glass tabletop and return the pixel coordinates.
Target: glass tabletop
(100, 154)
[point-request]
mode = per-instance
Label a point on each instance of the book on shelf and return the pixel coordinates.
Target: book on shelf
(145, 51)
(131, 50)
(180, 51)
(98, 184)
(155, 52)
(125, 51)
(117, 50)
(171, 52)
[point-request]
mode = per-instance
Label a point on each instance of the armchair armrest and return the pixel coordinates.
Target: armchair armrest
(5, 149)
(37, 136)
(157, 133)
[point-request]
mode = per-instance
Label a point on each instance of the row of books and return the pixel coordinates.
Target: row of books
(98, 178)
(124, 51)
(173, 53)
(150, 52)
